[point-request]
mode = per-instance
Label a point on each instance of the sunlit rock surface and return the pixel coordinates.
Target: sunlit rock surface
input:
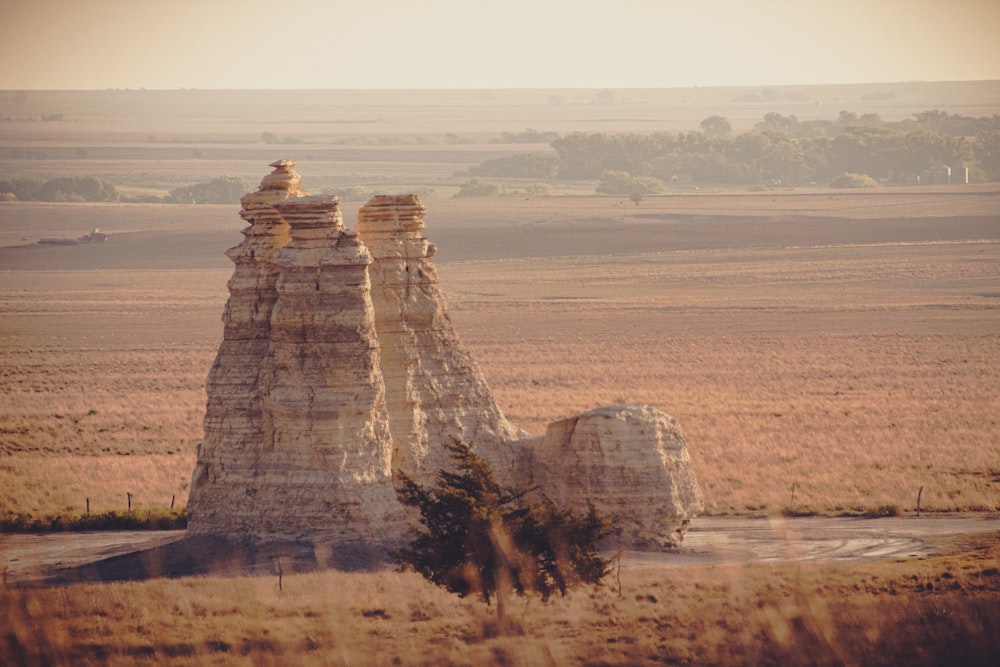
(297, 444)
(434, 389)
(339, 365)
(235, 432)
(631, 462)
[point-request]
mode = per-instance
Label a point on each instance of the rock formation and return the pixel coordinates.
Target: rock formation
(631, 462)
(297, 446)
(434, 389)
(221, 501)
(339, 364)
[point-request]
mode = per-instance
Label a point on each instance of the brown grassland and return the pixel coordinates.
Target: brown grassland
(938, 611)
(843, 342)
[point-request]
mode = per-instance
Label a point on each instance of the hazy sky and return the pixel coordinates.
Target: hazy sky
(96, 44)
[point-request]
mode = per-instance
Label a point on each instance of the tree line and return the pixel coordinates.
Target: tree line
(219, 190)
(778, 150)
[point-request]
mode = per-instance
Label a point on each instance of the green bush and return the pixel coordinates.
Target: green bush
(480, 537)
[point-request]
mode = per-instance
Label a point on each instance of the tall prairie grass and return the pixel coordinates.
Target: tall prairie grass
(941, 610)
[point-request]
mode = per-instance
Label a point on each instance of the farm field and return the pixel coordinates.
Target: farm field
(828, 352)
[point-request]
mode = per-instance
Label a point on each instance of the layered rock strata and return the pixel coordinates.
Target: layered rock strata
(234, 430)
(339, 364)
(631, 462)
(297, 445)
(327, 475)
(434, 389)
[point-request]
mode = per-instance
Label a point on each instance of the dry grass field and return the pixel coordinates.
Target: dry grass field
(846, 344)
(843, 342)
(943, 610)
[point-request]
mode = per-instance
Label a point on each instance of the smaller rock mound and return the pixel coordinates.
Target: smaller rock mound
(631, 462)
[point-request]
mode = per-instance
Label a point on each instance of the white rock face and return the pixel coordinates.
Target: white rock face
(339, 365)
(434, 389)
(297, 445)
(220, 501)
(631, 462)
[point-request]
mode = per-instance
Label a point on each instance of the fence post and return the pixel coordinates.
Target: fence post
(919, 493)
(88, 506)
(129, 501)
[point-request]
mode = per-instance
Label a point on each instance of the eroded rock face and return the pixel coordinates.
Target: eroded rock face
(339, 365)
(434, 389)
(327, 474)
(235, 432)
(297, 444)
(631, 461)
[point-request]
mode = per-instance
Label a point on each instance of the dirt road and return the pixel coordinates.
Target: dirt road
(709, 541)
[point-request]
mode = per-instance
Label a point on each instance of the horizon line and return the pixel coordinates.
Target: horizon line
(502, 88)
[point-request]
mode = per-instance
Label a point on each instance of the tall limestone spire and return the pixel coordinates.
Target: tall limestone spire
(328, 473)
(230, 452)
(297, 445)
(434, 388)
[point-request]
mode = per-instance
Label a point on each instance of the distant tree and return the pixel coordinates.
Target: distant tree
(477, 188)
(24, 188)
(987, 151)
(624, 183)
(775, 122)
(76, 188)
(219, 190)
(522, 165)
(480, 537)
(717, 126)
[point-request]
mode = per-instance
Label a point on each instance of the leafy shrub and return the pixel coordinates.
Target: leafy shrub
(851, 180)
(483, 538)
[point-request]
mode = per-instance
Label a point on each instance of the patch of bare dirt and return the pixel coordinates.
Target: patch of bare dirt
(66, 557)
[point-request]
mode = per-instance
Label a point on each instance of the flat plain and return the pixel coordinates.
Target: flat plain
(844, 343)
(824, 351)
